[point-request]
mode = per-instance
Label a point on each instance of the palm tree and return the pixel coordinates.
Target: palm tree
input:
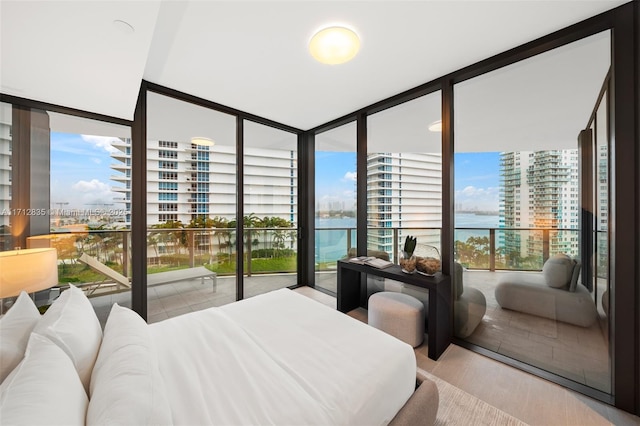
(220, 226)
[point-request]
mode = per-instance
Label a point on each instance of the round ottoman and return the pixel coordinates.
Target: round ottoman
(399, 315)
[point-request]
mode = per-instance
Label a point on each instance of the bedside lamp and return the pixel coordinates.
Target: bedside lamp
(30, 270)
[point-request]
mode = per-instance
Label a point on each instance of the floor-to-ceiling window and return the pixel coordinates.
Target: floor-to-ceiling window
(191, 207)
(404, 176)
(335, 235)
(518, 212)
(68, 197)
(270, 208)
(90, 211)
(404, 183)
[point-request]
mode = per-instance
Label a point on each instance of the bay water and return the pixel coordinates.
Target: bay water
(331, 235)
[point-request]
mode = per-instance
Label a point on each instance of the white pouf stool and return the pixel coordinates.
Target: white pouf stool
(399, 315)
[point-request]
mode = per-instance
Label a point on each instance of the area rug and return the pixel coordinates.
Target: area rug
(457, 407)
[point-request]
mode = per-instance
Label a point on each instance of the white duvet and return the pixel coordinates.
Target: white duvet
(281, 358)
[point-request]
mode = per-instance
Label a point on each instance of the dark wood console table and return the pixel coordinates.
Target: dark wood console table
(352, 293)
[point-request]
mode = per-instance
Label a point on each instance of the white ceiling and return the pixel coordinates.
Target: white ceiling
(252, 55)
(173, 120)
(540, 103)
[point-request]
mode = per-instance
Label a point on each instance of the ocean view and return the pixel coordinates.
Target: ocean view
(331, 243)
(470, 220)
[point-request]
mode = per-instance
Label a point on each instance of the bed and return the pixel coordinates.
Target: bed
(277, 358)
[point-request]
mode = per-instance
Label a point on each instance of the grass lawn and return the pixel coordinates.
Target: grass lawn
(80, 273)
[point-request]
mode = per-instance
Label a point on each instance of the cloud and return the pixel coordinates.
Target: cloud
(104, 142)
(93, 193)
(94, 185)
(350, 176)
(96, 160)
(474, 198)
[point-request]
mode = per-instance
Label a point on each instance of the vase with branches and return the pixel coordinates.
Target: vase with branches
(407, 258)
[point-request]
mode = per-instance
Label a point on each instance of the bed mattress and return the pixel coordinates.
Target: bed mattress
(281, 358)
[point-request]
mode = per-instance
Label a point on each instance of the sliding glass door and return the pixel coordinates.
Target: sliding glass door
(270, 208)
(191, 207)
(335, 212)
(524, 286)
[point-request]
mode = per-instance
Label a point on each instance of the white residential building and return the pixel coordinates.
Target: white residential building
(186, 181)
(539, 190)
(404, 191)
(5, 173)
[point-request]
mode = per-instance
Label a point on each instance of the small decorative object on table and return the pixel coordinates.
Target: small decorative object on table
(407, 258)
(427, 260)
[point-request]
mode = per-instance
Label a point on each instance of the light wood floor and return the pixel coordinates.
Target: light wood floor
(529, 398)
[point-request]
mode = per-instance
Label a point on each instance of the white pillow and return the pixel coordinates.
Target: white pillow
(43, 389)
(557, 270)
(71, 323)
(15, 328)
(126, 385)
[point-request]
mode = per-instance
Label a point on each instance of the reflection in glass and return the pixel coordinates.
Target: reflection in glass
(335, 219)
(404, 186)
(89, 208)
(270, 208)
(404, 176)
(191, 207)
(518, 205)
(601, 215)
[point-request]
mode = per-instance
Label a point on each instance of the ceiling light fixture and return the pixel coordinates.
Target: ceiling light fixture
(202, 141)
(436, 126)
(334, 45)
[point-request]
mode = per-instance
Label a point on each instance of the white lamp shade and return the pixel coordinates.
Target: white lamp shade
(30, 270)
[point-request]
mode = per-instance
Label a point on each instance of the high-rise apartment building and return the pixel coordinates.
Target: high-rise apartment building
(404, 191)
(539, 189)
(123, 155)
(602, 210)
(5, 173)
(186, 181)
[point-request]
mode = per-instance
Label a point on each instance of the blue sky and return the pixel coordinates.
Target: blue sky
(80, 171)
(336, 178)
(476, 178)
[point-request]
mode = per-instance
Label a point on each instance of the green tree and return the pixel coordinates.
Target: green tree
(474, 252)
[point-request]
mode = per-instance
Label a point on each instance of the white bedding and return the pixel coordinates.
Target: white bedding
(281, 358)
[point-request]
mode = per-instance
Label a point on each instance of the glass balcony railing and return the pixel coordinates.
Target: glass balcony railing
(274, 250)
(518, 249)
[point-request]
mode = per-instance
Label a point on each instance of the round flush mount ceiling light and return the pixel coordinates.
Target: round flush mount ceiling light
(334, 45)
(436, 126)
(202, 141)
